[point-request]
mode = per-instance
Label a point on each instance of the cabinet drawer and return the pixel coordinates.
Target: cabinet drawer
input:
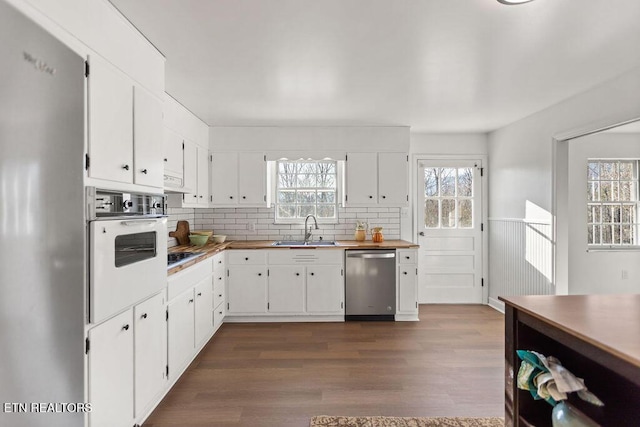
(218, 262)
(218, 316)
(407, 256)
(305, 256)
(256, 257)
(219, 296)
(185, 279)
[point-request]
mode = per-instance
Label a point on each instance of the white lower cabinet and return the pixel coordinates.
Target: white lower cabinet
(325, 289)
(181, 332)
(127, 364)
(110, 364)
(247, 289)
(286, 289)
(285, 283)
(150, 352)
(203, 319)
(407, 285)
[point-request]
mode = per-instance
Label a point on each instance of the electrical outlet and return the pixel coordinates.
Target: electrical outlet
(251, 226)
(625, 274)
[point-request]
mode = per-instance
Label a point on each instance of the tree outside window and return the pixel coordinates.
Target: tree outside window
(305, 187)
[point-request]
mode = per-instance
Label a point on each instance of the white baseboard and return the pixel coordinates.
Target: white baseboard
(496, 305)
(270, 319)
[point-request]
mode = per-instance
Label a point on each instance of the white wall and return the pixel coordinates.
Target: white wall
(449, 144)
(522, 156)
(597, 272)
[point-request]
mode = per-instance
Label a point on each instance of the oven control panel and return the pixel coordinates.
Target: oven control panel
(109, 204)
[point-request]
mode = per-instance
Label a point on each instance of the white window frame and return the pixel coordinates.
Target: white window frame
(634, 203)
(272, 167)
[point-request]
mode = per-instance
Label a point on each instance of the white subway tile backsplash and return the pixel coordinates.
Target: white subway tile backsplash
(234, 223)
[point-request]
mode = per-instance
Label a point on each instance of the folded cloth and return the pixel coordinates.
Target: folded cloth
(546, 378)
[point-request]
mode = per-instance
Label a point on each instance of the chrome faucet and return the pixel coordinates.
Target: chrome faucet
(307, 232)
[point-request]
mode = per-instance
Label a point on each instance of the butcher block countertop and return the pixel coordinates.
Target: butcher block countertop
(210, 249)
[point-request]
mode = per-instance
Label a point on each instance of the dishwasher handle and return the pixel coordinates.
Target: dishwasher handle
(371, 255)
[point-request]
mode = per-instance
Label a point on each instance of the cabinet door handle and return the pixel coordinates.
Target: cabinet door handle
(220, 295)
(191, 300)
(166, 160)
(201, 197)
(312, 274)
(144, 316)
(199, 294)
(144, 171)
(244, 197)
(297, 274)
(125, 167)
(407, 257)
(371, 197)
(404, 272)
(384, 197)
(259, 274)
(421, 233)
(231, 197)
(246, 259)
(125, 327)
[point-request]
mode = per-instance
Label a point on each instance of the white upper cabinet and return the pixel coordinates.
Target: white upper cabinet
(196, 176)
(110, 123)
(173, 149)
(190, 184)
(224, 178)
(393, 171)
(377, 179)
(361, 178)
(125, 130)
(252, 178)
(147, 139)
(238, 179)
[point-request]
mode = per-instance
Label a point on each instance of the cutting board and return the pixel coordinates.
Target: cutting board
(182, 232)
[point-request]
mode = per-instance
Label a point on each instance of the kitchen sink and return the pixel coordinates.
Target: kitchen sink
(302, 243)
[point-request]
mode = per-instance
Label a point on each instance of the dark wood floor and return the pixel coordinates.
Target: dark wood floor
(451, 363)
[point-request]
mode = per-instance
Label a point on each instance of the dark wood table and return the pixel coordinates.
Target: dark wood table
(597, 337)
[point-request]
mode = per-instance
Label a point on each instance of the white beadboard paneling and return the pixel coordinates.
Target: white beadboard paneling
(521, 258)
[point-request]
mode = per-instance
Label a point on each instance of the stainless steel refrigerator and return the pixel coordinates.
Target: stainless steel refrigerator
(42, 226)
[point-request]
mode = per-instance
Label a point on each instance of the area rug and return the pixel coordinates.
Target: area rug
(330, 421)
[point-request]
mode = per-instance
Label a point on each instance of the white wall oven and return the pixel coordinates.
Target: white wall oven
(127, 249)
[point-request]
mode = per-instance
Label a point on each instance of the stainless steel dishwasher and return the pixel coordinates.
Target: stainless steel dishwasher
(370, 284)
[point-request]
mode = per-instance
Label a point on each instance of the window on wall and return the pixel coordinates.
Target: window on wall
(448, 197)
(306, 187)
(612, 203)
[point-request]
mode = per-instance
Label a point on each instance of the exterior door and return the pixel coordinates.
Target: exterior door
(450, 231)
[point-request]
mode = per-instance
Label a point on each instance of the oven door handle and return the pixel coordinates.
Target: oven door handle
(138, 222)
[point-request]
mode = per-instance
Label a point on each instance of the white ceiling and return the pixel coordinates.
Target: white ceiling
(434, 65)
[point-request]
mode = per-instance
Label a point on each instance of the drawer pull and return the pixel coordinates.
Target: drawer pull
(125, 327)
(144, 316)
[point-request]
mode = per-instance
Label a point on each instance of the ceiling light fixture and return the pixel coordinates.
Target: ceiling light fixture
(512, 2)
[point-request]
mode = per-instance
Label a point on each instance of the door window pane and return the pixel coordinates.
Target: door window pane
(465, 213)
(448, 213)
(448, 197)
(431, 214)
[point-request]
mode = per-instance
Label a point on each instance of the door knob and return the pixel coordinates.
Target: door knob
(421, 233)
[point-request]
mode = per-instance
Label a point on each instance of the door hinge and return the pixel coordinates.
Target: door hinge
(416, 271)
(227, 306)
(265, 157)
(407, 197)
(482, 282)
(346, 157)
(342, 304)
(264, 197)
(482, 226)
(342, 272)
(87, 346)
(346, 197)
(407, 157)
(267, 306)
(183, 145)
(211, 198)
(87, 161)
(167, 315)
(481, 171)
(227, 272)
(267, 272)
(211, 157)
(86, 68)
(416, 304)
(167, 370)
